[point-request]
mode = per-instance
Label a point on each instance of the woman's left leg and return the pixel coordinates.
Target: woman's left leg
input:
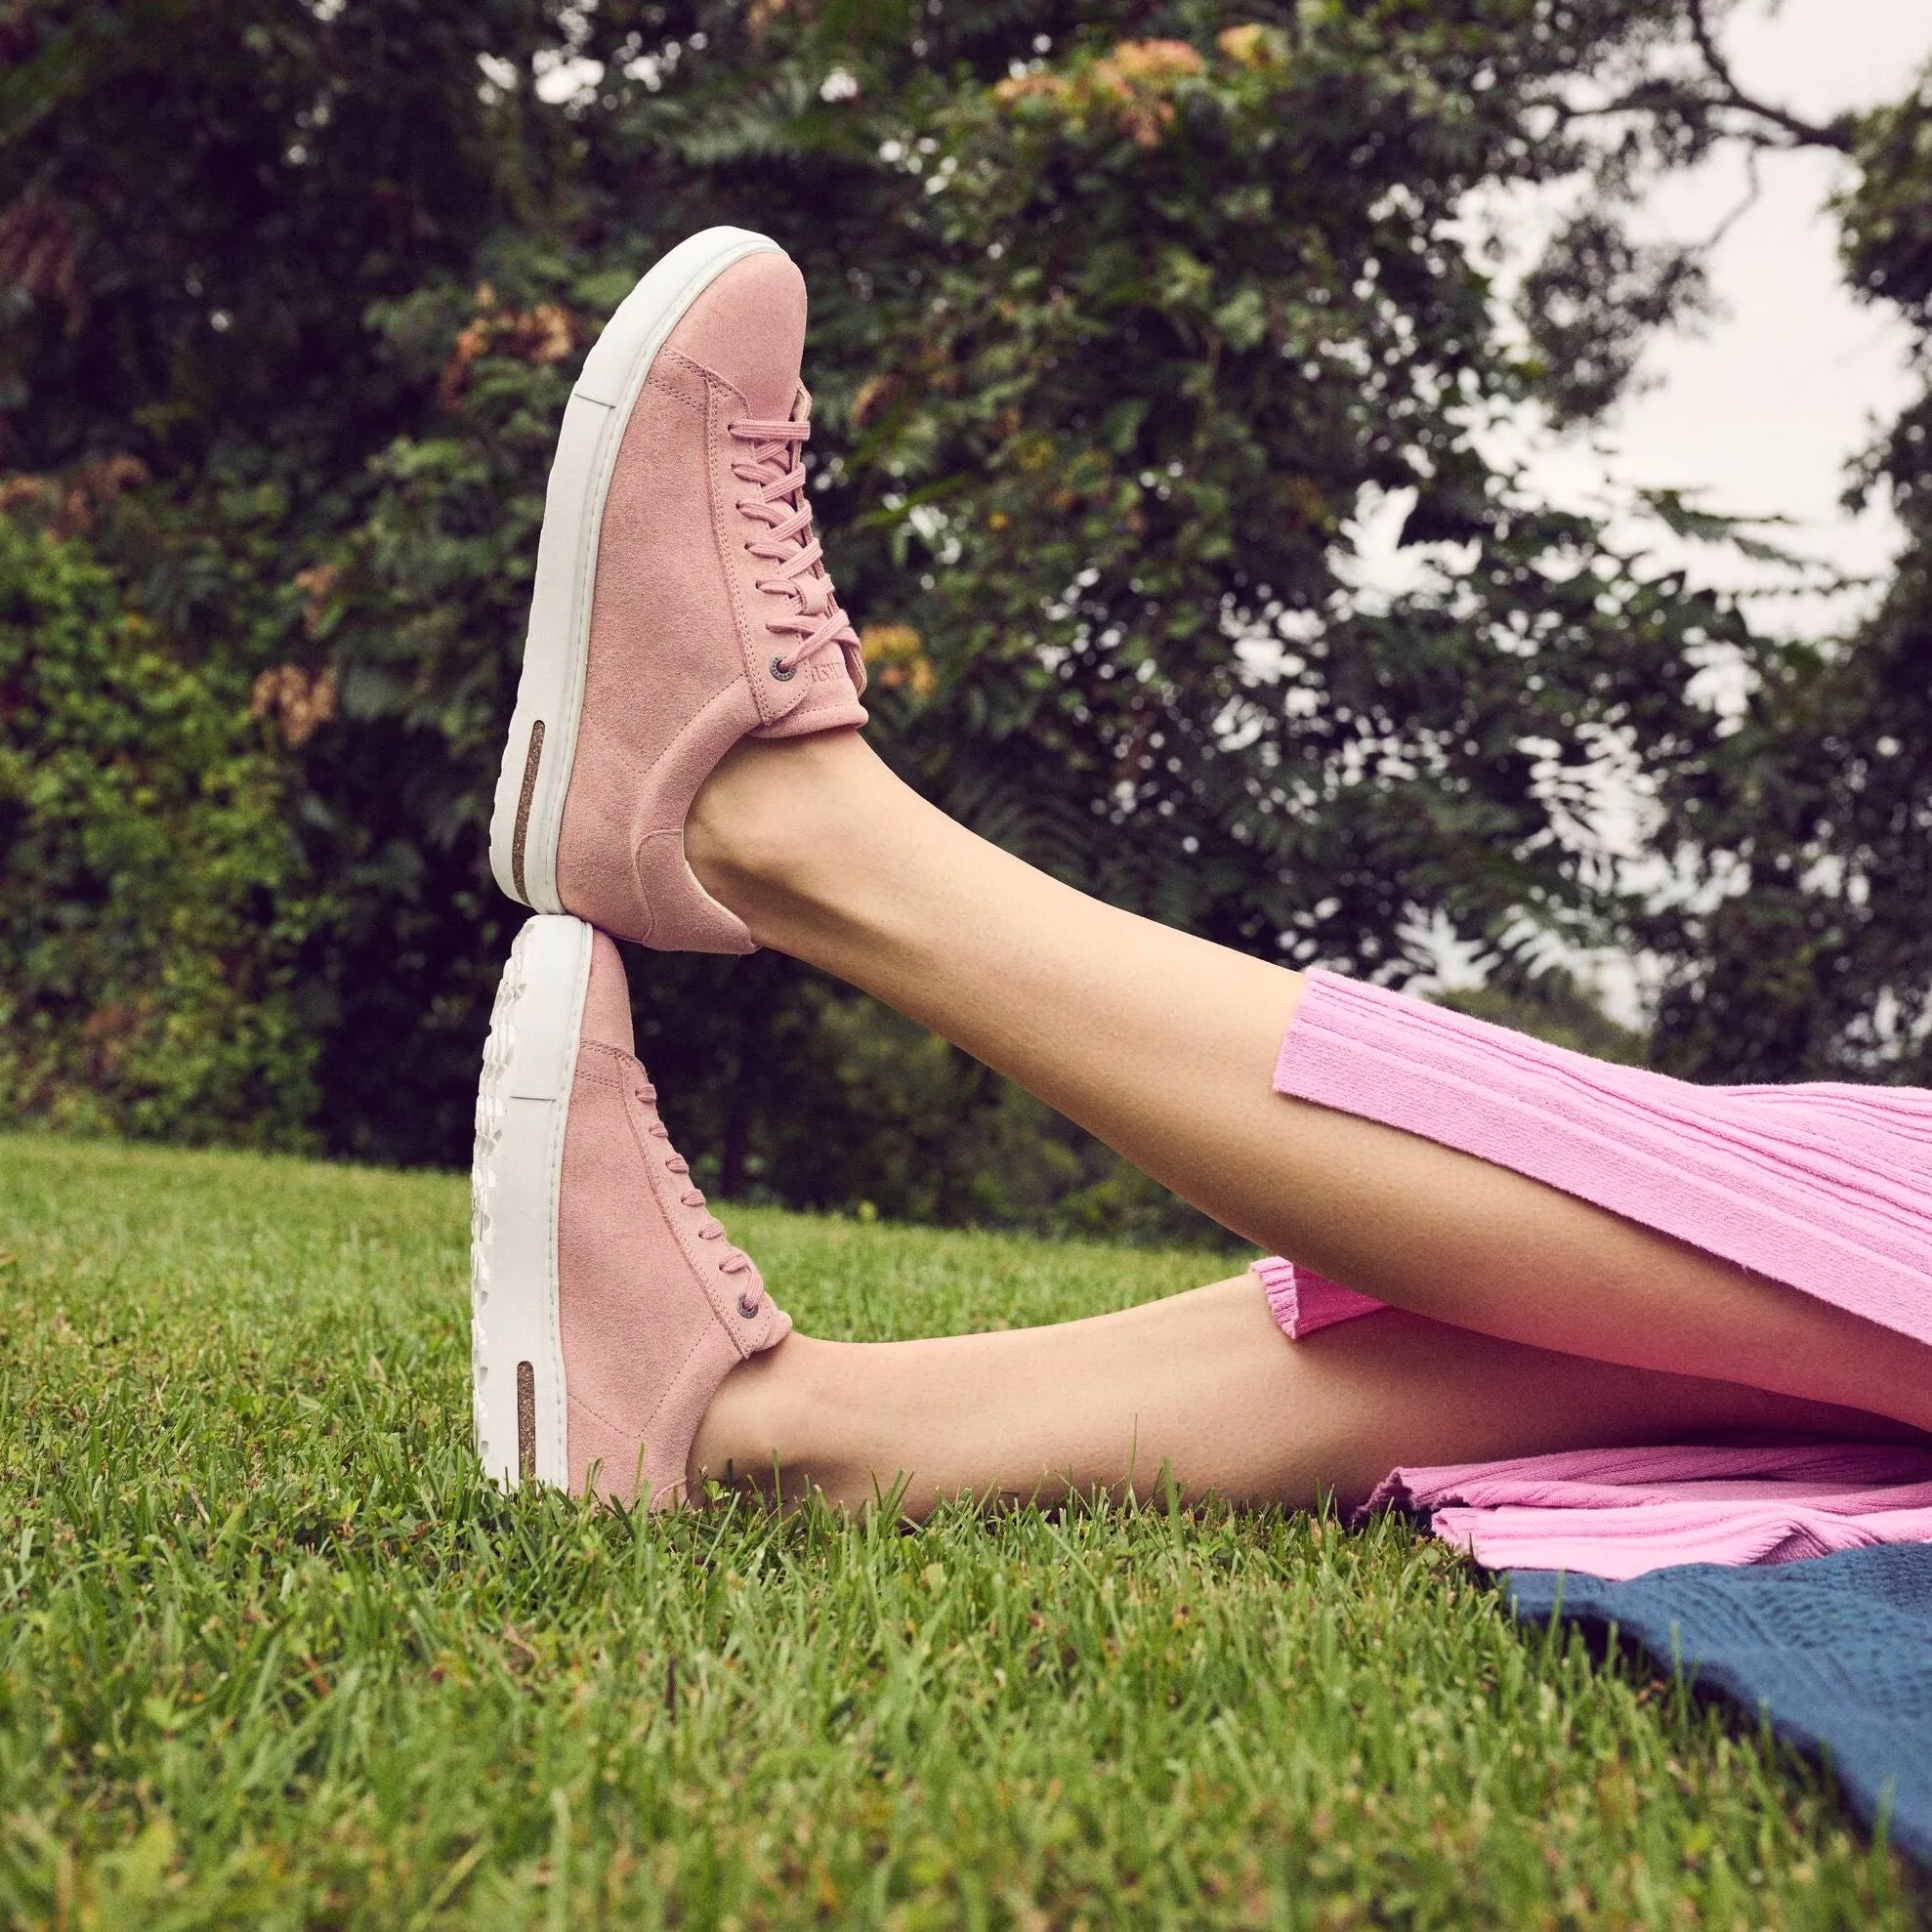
(1163, 1045)
(1203, 1385)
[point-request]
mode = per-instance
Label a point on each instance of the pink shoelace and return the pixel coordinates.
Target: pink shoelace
(773, 468)
(731, 1260)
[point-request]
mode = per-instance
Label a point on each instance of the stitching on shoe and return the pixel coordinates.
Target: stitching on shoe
(679, 1486)
(596, 1076)
(715, 389)
(677, 1381)
(669, 394)
(637, 1462)
(670, 1389)
(691, 725)
(710, 378)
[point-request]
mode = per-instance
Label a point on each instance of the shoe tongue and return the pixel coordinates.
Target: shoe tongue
(607, 1018)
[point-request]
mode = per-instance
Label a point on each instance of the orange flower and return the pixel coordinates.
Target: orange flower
(70, 501)
(541, 335)
(897, 654)
(317, 583)
(1254, 46)
(1154, 60)
(1129, 87)
(1027, 87)
(300, 705)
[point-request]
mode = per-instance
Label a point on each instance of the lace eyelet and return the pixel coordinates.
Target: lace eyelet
(747, 1308)
(783, 672)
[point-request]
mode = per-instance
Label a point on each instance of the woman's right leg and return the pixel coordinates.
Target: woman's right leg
(1203, 1385)
(1165, 1045)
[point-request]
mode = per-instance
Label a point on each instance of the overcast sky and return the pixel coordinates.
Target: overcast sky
(1763, 411)
(1758, 411)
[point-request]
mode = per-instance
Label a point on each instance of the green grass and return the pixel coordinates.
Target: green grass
(271, 1654)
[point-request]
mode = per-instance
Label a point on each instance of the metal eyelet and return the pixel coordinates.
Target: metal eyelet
(747, 1308)
(783, 672)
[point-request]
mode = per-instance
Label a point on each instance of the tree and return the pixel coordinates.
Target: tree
(1122, 315)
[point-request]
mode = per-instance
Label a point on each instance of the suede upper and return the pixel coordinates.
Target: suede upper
(684, 659)
(653, 1298)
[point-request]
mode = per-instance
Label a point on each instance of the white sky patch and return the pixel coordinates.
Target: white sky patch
(1760, 413)
(562, 78)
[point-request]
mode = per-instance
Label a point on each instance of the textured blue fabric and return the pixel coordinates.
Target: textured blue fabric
(1838, 1651)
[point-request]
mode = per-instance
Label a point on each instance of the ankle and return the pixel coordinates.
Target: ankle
(758, 1417)
(754, 825)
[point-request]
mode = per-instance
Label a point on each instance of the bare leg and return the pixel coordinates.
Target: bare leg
(1202, 1384)
(1164, 1046)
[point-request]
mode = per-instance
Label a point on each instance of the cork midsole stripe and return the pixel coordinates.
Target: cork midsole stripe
(524, 802)
(526, 1422)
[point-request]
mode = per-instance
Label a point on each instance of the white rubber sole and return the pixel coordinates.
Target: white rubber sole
(536, 775)
(516, 1180)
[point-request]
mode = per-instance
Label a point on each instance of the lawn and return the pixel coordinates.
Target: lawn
(273, 1655)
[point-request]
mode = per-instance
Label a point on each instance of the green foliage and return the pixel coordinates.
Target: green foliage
(1888, 224)
(1123, 318)
(274, 1656)
(1175, 313)
(1130, 339)
(199, 205)
(152, 901)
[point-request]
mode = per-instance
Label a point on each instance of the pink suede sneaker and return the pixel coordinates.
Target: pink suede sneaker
(606, 1304)
(681, 602)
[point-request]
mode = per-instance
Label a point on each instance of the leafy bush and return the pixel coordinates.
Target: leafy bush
(152, 899)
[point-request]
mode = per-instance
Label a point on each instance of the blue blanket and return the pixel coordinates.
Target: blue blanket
(1836, 1651)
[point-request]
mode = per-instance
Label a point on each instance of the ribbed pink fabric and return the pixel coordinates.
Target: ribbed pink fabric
(1304, 1302)
(1621, 1512)
(1827, 1186)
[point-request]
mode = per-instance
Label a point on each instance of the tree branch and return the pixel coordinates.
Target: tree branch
(1835, 134)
